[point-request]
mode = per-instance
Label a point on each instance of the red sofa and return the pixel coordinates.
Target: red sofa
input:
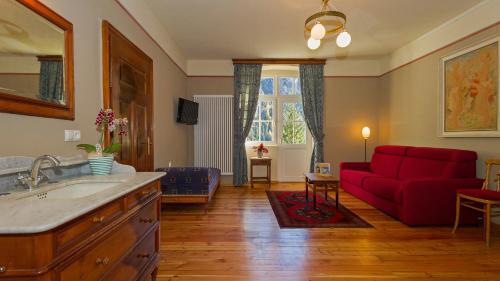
(415, 184)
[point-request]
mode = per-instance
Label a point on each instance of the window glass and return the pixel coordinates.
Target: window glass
(267, 86)
(286, 85)
(298, 90)
(262, 125)
(294, 127)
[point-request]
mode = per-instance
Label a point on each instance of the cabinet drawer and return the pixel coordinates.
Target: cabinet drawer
(87, 225)
(95, 263)
(134, 263)
(140, 195)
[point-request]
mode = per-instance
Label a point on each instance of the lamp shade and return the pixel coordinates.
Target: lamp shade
(365, 132)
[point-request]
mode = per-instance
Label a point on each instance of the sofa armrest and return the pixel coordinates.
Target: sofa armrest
(431, 200)
(361, 166)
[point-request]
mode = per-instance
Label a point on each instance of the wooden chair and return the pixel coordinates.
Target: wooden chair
(481, 200)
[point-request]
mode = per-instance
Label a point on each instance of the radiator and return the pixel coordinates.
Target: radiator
(213, 135)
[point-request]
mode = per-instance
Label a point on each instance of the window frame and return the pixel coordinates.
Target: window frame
(277, 107)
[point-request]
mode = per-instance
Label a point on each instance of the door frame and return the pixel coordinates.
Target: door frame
(107, 29)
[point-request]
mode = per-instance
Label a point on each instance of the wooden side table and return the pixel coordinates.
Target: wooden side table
(254, 161)
(325, 182)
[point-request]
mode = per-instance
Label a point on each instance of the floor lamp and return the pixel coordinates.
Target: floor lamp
(366, 134)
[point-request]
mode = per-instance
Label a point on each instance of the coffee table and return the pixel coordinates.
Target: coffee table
(322, 182)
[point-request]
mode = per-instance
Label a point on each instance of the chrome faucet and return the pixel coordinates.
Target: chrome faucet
(36, 176)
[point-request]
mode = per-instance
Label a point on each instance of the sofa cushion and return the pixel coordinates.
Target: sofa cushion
(386, 188)
(424, 162)
(443, 154)
(386, 165)
(356, 177)
(416, 168)
(392, 149)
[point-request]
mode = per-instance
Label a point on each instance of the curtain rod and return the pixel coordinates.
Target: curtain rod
(279, 61)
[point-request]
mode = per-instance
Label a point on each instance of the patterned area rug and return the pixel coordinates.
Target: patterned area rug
(291, 210)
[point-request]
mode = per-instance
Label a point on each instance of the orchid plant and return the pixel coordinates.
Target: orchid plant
(107, 123)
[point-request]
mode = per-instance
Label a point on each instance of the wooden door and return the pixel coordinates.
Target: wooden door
(128, 82)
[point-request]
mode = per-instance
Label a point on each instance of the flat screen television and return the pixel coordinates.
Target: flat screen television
(187, 112)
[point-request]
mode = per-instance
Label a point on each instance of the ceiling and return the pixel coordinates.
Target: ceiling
(25, 33)
(226, 29)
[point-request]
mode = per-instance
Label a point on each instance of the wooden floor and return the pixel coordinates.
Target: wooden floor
(239, 239)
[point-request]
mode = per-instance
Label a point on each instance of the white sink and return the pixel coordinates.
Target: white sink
(77, 190)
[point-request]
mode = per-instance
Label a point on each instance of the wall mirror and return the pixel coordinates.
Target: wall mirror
(36, 60)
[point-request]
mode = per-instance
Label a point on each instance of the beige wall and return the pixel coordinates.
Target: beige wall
(26, 135)
(409, 105)
(350, 104)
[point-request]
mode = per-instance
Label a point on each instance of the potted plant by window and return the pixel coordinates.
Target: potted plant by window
(101, 157)
(261, 150)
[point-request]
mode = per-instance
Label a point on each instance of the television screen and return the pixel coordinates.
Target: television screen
(187, 112)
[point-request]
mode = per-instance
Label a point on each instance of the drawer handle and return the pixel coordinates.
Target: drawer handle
(145, 193)
(102, 261)
(143, 256)
(146, 220)
(98, 219)
(3, 269)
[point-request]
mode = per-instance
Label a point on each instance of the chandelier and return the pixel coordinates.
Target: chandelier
(325, 25)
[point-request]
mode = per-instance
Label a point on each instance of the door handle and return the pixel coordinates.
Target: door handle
(149, 145)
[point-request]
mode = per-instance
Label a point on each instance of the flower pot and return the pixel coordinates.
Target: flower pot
(260, 153)
(101, 166)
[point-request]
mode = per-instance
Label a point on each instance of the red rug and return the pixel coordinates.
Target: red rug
(291, 210)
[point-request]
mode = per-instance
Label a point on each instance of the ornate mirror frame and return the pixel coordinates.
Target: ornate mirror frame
(26, 106)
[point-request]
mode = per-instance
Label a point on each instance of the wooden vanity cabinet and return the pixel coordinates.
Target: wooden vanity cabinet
(118, 241)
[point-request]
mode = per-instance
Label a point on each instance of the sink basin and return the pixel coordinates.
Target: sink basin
(77, 190)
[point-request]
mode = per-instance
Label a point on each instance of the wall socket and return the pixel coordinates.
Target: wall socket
(72, 135)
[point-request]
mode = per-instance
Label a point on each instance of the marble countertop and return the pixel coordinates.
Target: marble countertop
(24, 212)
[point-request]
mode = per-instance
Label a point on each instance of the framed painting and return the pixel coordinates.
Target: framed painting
(468, 96)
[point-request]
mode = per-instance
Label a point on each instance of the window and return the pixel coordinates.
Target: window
(262, 126)
(280, 94)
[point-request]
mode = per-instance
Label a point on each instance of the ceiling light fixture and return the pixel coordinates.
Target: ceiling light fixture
(325, 25)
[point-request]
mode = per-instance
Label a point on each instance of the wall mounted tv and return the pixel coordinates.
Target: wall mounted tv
(187, 112)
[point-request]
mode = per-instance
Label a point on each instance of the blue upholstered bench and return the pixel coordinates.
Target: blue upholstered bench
(189, 184)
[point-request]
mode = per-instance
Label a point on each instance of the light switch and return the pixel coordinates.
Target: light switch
(77, 135)
(68, 135)
(72, 135)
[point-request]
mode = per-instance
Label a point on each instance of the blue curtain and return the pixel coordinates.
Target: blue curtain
(52, 81)
(311, 81)
(246, 97)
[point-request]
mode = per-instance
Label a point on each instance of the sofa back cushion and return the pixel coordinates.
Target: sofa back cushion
(387, 160)
(425, 162)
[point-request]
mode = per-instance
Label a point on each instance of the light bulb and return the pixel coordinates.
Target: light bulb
(318, 31)
(343, 39)
(313, 44)
(365, 132)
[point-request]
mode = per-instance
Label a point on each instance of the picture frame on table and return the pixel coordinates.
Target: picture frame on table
(323, 168)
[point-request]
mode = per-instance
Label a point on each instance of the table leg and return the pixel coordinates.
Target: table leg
(251, 175)
(307, 193)
(326, 192)
(314, 195)
(337, 196)
(269, 174)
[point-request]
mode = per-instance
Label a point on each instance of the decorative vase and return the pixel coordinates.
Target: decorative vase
(260, 153)
(101, 166)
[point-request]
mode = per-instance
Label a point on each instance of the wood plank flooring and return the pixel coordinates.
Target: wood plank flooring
(239, 239)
